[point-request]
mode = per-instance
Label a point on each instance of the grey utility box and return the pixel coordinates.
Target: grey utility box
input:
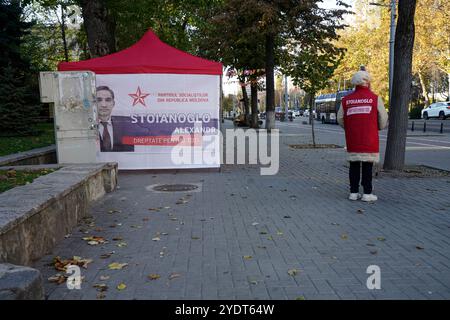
(73, 96)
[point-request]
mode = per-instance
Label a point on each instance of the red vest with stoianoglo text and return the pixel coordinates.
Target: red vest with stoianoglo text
(361, 121)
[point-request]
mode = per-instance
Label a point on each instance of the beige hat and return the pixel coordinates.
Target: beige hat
(361, 78)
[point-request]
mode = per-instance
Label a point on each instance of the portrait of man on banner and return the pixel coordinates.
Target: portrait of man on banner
(111, 128)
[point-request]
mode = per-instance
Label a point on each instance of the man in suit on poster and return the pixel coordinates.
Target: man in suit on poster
(110, 129)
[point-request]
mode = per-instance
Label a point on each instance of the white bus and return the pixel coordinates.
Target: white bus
(327, 106)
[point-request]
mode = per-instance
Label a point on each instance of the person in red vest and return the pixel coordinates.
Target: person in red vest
(362, 114)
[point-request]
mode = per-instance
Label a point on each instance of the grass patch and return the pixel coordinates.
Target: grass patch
(45, 137)
(13, 178)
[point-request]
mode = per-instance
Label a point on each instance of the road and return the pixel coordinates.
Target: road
(432, 125)
(430, 148)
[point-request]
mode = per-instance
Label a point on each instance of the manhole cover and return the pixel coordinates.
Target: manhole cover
(175, 187)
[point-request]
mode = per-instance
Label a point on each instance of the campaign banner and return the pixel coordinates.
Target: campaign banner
(158, 121)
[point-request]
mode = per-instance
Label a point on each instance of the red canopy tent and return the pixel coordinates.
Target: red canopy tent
(148, 55)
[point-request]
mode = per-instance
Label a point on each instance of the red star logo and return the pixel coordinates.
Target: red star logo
(138, 97)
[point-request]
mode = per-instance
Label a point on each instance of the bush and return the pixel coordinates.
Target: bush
(17, 116)
(415, 112)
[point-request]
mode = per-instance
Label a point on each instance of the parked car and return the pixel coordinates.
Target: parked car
(439, 110)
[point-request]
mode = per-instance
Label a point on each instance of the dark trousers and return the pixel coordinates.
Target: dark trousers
(355, 174)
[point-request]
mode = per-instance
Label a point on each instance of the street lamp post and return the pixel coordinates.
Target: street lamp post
(391, 42)
(286, 98)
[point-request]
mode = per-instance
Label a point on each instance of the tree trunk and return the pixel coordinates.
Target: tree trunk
(100, 27)
(424, 89)
(270, 85)
(401, 90)
(254, 104)
(63, 32)
(246, 104)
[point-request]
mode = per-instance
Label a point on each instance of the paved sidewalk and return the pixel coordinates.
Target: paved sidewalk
(245, 236)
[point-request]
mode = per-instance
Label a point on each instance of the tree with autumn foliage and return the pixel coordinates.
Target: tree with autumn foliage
(232, 37)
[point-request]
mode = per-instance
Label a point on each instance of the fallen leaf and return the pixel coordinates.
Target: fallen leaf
(122, 244)
(117, 266)
(58, 278)
(136, 226)
(344, 236)
(101, 295)
(121, 286)
(293, 272)
(11, 173)
(247, 257)
(153, 209)
(381, 239)
(94, 240)
(154, 276)
(61, 265)
(100, 287)
(270, 238)
(195, 238)
(107, 255)
(174, 275)
(104, 278)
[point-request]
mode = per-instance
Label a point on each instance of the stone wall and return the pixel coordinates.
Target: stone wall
(34, 217)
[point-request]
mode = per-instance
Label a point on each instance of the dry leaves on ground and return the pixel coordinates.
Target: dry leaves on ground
(61, 265)
(95, 240)
(107, 255)
(114, 211)
(117, 266)
(102, 287)
(293, 272)
(154, 276)
(174, 276)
